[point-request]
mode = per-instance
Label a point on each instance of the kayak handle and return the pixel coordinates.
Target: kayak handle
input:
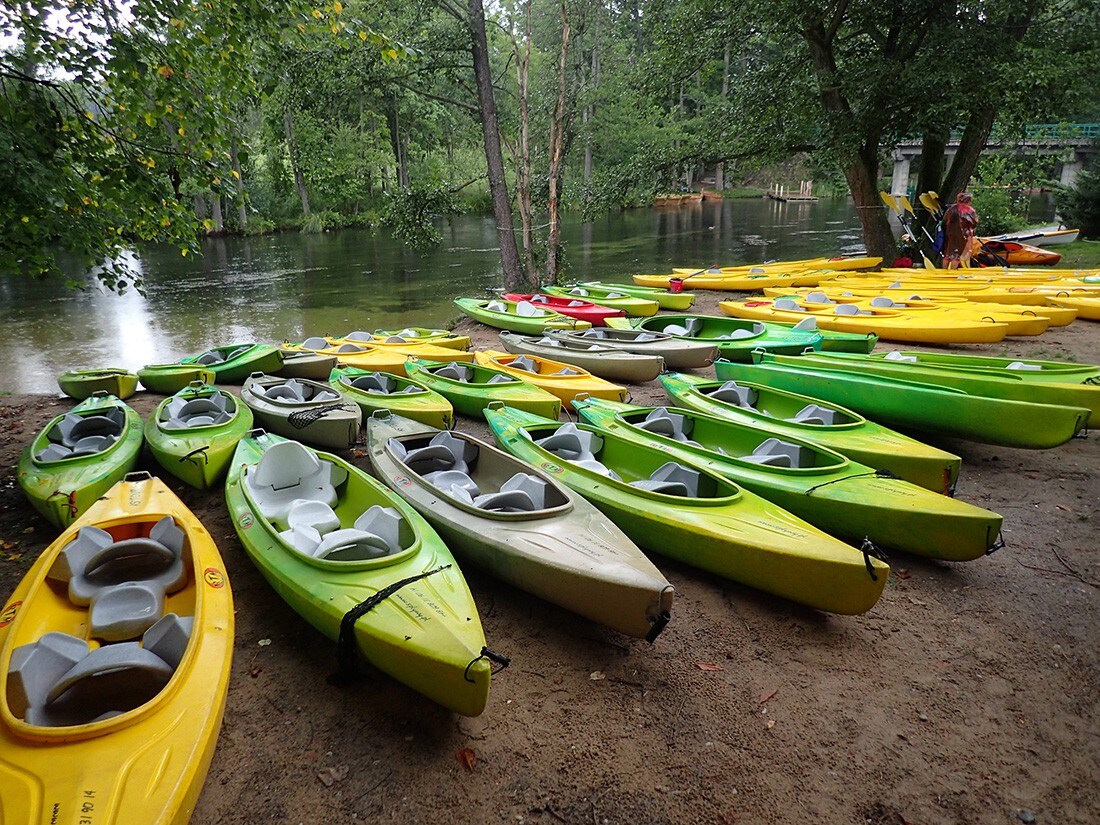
(997, 545)
(503, 661)
(869, 550)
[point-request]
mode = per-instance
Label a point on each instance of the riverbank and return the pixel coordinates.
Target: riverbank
(967, 695)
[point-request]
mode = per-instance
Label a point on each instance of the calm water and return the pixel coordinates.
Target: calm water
(290, 286)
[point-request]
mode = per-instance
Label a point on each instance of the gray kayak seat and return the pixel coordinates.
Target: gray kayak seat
(787, 305)
(294, 391)
(815, 414)
(850, 309)
(360, 335)
(72, 427)
(314, 531)
(287, 472)
(198, 412)
(738, 334)
(733, 393)
(596, 467)
(819, 298)
(210, 358)
(671, 479)
(522, 493)
(169, 637)
(456, 372)
(566, 371)
(549, 342)
(645, 336)
(883, 302)
(529, 310)
(500, 378)
(1020, 365)
(59, 682)
(445, 451)
(448, 480)
(571, 443)
(315, 342)
(806, 325)
(662, 422)
(394, 339)
(578, 291)
(412, 333)
(89, 445)
(378, 382)
(350, 348)
(576, 303)
(777, 453)
(594, 333)
(525, 363)
(497, 306)
(896, 355)
(122, 583)
(690, 328)
(615, 295)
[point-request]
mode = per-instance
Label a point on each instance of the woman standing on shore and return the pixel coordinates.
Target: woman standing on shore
(959, 222)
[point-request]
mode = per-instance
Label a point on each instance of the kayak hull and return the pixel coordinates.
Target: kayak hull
(565, 387)
(747, 336)
(249, 358)
(426, 406)
(81, 384)
(471, 398)
(508, 318)
(332, 423)
(168, 379)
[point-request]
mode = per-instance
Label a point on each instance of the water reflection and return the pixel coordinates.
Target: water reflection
(290, 286)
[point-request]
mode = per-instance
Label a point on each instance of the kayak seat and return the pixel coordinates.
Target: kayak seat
(576, 303)
(497, 306)
(412, 333)
(289, 471)
(895, 355)
(523, 492)
(776, 453)
(394, 339)
(375, 382)
(662, 422)
(645, 336)
(737, 334)
(58, 682)
(241, 350)
(787, 305)
(571, 443)
(595, 466)
(198, 412)
(525, 363)
(456, 372)
(578, 291)
(1020, 365)
(376, 533)
(315, 342)
(806, 325)
(615, 295)
(72, 428)
(883, 302)
(448, 480)
(529, 310)
(350, 348)
(733, 393)
(815, 414)
(819, 298)
(54, 452)
(168, 638)
(594, 333)
(850, 309)
(123, 583)
(445, 451)
(690, 328)
(210, 358)
(501, 379)
(671, 479)
(547, 341)
(566, 371)
(360, 335)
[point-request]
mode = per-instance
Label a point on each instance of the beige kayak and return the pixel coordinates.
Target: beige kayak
(606, 362)
(515, 521)
(303, 410)
(678, 353)
(302, 364)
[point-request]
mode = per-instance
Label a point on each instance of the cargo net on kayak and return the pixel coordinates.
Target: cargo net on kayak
(303, 418)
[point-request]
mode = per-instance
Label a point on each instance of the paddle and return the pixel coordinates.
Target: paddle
(898, 210)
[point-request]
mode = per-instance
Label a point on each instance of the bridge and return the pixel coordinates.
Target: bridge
(1071, 141)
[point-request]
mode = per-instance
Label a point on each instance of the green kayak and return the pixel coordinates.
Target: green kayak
(819, 422)
(1007, 384)
(611, 298)
(235, 362)
(168, 379)
(472, 387)
(521, 525)
(1026, 369)
(361, 566)
(408, 397)
(82, 383)
(695, 516)
(735, 338)
(933, 408)
(79, 456)
(517, 317)
(678, 301)
(193, 434)
(849, 500)
(834, 340)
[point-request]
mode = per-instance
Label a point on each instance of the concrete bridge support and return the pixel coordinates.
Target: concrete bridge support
(1071, 167)
(899, 183)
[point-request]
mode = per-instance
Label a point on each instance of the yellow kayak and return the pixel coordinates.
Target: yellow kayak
(564, 381)
(1086, 307)
(401, 345)
(363, 356)
(886, 324)
(115, 651)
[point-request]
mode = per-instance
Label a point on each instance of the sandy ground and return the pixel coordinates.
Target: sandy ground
(969, 694)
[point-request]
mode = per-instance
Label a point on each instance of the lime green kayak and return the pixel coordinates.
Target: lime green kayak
(1026, 369)
(611, 298)
(168, 379)
(678, 301)
(355, 560)
(849, 500)
(472, 387)
(834, 340)
(819, 422)
(408, 397)
(193, 434)
(736, 339)
(695, 516)
(521, 525)
(82, 383)
(518, 317)
(79, 456)
(235, 362)
(933, 408)
(1007, 384)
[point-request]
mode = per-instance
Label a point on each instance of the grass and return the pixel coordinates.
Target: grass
(1079, 255)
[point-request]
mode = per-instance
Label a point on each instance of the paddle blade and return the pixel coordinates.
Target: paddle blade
(890, 201)
(908, 207)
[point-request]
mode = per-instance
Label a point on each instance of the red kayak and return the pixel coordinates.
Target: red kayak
(584, 310)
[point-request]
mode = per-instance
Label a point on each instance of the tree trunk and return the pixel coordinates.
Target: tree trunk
(973, 141)
(932, 162)
(720, 171)
(558, 125)
(218, 227)
(590, 109)
(397, 144)
(523, 151)
(242, 207)
(861, 171)
(292, 150)
(514, 277)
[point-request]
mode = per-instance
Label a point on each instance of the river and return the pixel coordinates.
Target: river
(289, 286)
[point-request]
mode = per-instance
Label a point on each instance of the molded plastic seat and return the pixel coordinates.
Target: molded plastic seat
(645, 336)
(307, 521)
(93, 444)
(72, 428)
(566, 371)
(571, 443)
(198, 412)
(549, 342)
(210, 358)
(445, 451)
(315, 342)
(168, 638)
(576, 303)
(456, 372)
(394, 339)
(896, 355)
(738, 334)
(350, 348)
(787, 305)
(54, 452)
(522, 492)
(502, 379)
(376, 533)
(376, 382)
(497, 306)
(596, 466)
(539, 299)
(776, 453)
(578, 291)
(360, 335)
(884, 302)
(850, 309)
(819, 298)
(671, 479)
(286, 472)
(447, 480)
(529, 310)
(733, 393)
(814, 414)
(1018, 365)
(662, 422)
(689, 329)
(594, 333)
(525, 363)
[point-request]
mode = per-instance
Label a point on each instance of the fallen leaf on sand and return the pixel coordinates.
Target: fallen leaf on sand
(264, 642)
(709, 666)
(1063, 507)
(466, 757)
(901, 574)
(597, 676)
(766, 696)
(330, 775)
(255, 672)
(770, 725)
(918, 602)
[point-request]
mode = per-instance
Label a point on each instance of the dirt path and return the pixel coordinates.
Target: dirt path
(969, 694)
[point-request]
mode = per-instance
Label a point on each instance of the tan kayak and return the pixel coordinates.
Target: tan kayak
(606, 362)
(303, 410)
(302, 364)
(678, 353)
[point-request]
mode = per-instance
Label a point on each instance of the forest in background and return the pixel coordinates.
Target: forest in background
(162, 120)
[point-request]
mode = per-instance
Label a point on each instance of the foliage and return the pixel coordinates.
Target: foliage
(1079, 206)
(410, 214)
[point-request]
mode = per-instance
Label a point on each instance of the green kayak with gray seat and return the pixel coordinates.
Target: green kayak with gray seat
(605, 362)
(304, 410)
(1026, 369)
(847, 499)
(611, 298)
(472, 387)
(84, 382)
(168, 379)
(235, 362)
(375, 390)
(678, 301)
(520, 524)
(736, 339)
